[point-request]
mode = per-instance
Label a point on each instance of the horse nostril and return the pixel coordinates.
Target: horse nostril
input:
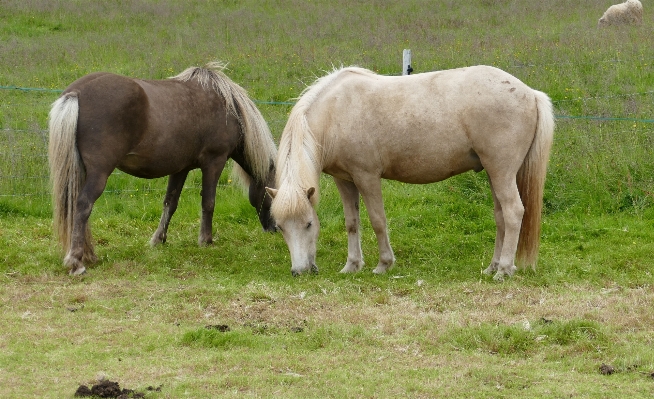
(294, 273)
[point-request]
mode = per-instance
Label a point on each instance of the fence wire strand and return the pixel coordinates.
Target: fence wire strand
(17, 144)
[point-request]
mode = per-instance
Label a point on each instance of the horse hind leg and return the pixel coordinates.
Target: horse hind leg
(499, 236)
(350, 198)
(370, 187)
(81, 247)
(173, 191)
(506, 192)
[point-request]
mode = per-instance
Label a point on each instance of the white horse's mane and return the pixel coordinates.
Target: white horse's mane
(260, 150)
(301, 150)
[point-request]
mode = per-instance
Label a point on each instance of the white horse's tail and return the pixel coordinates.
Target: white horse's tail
(531, 182)
(67, 173)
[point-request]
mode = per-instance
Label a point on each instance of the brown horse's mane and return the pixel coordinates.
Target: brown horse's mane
(260, 150)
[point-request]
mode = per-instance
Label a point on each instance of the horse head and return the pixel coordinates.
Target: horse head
(299, 226)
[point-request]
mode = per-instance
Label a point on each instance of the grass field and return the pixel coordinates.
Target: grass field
(228, 320)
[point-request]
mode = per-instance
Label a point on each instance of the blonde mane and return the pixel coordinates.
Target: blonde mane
(260, 150)
(301, 151)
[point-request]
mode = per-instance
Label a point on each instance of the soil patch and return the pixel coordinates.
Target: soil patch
(110, 389)
(606, 369)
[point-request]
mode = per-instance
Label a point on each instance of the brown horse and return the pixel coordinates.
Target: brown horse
(151, 129)
(361, 127)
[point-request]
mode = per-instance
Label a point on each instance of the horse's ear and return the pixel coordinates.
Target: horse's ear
(271, 191)
(310, 192)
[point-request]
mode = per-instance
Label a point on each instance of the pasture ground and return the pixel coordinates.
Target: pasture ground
(228, 320)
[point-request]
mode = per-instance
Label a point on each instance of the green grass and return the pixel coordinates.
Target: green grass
(434, 325)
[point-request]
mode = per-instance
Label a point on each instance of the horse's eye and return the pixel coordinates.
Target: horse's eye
(309, 224)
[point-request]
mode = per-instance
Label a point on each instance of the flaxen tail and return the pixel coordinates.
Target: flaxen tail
(67, 172)
(531, 182)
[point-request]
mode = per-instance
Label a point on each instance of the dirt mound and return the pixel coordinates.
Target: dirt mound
(110, 389)
(606, 369)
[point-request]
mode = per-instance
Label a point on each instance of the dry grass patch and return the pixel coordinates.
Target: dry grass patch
(301, 339)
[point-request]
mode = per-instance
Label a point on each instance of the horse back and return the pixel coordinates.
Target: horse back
(426, 127)
(150, 128)
(188, 126)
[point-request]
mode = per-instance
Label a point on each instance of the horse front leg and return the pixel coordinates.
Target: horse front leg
(350, 198)
(81, 246)
(210, 176)
(175, 186)
(370, 188)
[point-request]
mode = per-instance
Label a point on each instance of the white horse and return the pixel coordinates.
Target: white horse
(360, 127)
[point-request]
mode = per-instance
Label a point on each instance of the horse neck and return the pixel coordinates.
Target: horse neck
(246, 169)
(257, 150)
(300, 163)
(303, 152)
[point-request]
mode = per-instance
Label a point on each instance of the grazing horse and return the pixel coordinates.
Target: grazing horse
(151, 129)
(360, 127)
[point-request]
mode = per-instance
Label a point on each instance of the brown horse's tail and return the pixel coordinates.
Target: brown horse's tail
(531, 182)
(67, 172)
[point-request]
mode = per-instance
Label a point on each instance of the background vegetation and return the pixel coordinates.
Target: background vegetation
(434, 325)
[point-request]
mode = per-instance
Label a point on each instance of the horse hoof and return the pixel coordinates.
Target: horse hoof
(352, 267)
(380, 269)
(499, 276)
(75, 265)
(78, 271)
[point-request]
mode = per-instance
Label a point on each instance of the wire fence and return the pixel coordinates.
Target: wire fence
(24, 164)
(24, 168)
(555, 102)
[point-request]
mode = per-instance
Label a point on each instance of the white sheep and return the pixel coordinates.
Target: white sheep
(628, 13)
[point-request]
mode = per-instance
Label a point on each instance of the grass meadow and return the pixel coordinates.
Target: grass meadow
(230, 321)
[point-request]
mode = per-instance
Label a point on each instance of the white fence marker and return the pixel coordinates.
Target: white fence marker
(406, 62)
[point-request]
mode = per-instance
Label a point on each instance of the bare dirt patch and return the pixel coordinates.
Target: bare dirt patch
(110, 389)
(606, 369)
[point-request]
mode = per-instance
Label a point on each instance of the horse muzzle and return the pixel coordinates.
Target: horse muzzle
(312, 268)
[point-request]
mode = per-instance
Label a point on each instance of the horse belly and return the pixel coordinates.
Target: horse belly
(154, 165)
(423, 168)
(424, 147)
